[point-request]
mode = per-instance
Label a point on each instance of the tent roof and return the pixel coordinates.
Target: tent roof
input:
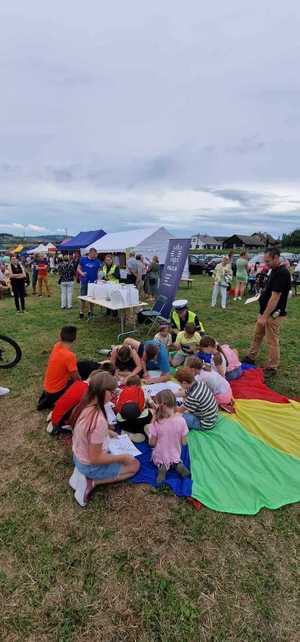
(157, 244)
(39, 249)
(122, 241)
(83, 239)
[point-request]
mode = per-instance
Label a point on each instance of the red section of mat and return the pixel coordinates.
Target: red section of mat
(251, 385)
(195, 503)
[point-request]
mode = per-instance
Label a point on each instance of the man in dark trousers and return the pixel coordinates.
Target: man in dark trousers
(272, 308)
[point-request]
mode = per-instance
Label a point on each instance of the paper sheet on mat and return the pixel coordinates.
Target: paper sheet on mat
(122, 445)
(152, 389)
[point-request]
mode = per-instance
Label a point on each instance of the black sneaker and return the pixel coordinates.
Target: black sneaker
(81, 316)
(270, 372)
(251, 362)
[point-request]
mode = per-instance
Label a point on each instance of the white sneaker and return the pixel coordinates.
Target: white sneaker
(74, 478)
(50, 428)
(234, 298)
(84, 487)
(4, 391)
(239, 298)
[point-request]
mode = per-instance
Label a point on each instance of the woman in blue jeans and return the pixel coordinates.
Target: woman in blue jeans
(200, 409)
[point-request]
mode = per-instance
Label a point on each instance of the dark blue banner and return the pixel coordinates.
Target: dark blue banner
(172, 272)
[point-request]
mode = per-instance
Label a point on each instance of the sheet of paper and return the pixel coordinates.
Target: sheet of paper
(252, 299)
(122, 445)
(110, 415)
(153, 388)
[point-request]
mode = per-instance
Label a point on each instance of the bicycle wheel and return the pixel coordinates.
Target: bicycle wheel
(10, 352)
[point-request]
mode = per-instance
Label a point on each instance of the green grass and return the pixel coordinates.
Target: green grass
(136, 565)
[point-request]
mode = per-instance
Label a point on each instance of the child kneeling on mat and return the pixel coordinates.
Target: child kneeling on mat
(167, 434)
(93, 463)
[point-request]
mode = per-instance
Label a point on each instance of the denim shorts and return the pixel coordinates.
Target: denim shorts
(234, 374)
(193, 422)
(83, 289)
(98, 471)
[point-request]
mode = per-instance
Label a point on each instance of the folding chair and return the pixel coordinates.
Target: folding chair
(155, 315)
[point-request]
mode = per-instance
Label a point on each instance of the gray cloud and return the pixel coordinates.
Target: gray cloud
(123, 112)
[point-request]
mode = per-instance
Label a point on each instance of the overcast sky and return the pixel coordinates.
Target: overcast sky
(118, 114)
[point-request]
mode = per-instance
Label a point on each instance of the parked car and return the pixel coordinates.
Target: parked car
(197, 263)
(211, 264)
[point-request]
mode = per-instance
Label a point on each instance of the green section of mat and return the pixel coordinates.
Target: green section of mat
(233, 472)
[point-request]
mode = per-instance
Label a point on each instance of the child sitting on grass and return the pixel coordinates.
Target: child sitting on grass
(93, 463)
(223, 359)
(167, 434)
(216, 383)
(133, 415)
(61, 369)
(187, 343)
(164, 335)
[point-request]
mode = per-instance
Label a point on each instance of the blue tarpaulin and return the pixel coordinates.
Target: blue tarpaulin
(82, 240)
(182, 487)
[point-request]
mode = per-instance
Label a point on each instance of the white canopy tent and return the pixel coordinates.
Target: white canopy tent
(39, 249)
(149, 241)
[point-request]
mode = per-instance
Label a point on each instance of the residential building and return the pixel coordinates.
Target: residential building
(205, 242)
(247, 242)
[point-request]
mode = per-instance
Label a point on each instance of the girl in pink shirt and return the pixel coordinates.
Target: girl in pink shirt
(93, 463)
(167, 433)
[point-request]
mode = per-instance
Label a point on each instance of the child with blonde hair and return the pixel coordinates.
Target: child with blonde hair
(164, 335)
(167, 435)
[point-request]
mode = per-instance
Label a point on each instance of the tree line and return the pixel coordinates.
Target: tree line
(292, 239)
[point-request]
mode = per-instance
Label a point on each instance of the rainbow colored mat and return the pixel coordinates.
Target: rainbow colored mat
(250, 460)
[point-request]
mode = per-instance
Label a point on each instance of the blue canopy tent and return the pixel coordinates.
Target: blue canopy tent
(82, 240)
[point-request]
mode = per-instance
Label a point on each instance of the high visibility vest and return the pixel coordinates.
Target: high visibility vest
(175, 318)
(110, 273)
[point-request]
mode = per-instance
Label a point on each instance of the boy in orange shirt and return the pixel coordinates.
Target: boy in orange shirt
(61, 369)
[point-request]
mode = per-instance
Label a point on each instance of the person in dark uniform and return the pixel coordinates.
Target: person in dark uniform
(272, 309)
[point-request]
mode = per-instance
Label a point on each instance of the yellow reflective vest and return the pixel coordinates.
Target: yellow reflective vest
(175, 319)
(110, 273)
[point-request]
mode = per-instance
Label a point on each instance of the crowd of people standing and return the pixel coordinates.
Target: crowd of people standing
(20, 272)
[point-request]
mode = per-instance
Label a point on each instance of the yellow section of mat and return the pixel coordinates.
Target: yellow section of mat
(277, 424)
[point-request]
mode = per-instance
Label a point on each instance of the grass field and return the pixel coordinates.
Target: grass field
(136, 564)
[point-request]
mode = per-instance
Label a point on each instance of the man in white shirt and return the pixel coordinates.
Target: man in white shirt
(132, 269)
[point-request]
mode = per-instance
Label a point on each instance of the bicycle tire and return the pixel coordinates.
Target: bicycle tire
(18, 353)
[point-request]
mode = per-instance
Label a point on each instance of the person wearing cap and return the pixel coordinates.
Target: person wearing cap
(181, 315)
